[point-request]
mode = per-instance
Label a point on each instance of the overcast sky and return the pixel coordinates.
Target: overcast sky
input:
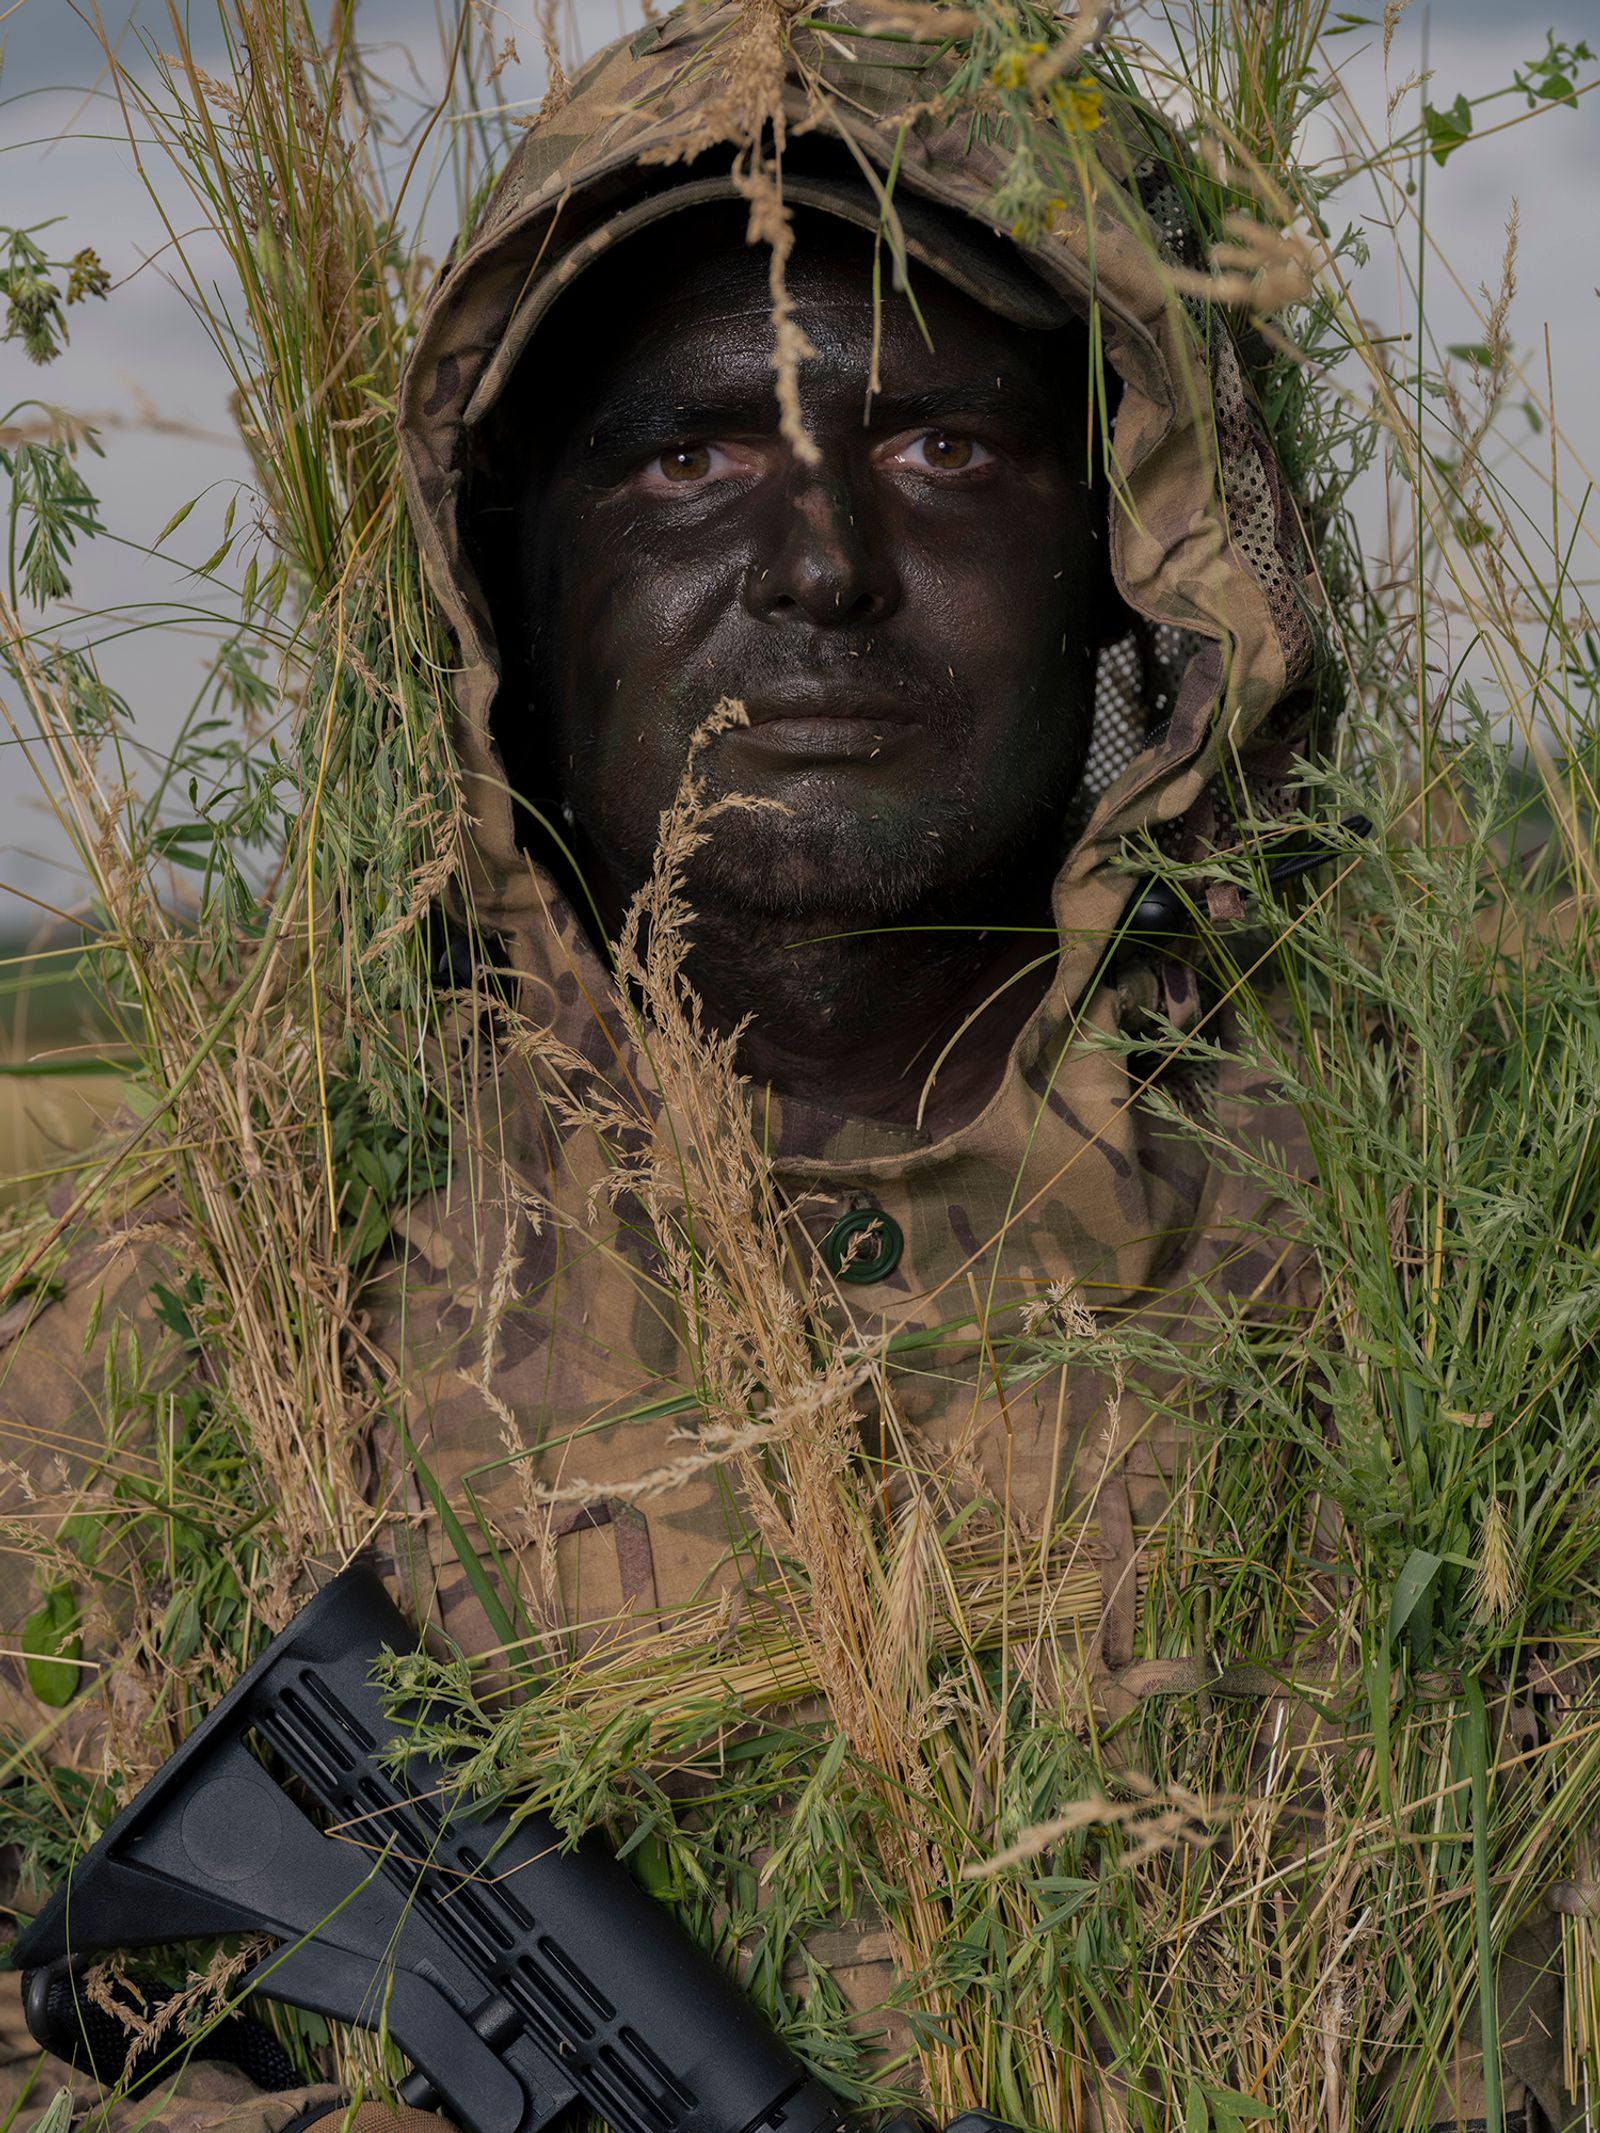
(63, 154)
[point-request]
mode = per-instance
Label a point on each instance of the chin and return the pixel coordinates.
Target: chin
(847, 871)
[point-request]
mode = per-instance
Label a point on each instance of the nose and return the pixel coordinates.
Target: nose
(824, 558)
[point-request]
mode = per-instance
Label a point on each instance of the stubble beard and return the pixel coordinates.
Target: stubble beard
(827, 858)
(827, 864)
(953, 852)
(826, 861)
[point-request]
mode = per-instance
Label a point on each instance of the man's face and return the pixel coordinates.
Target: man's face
(909, 623)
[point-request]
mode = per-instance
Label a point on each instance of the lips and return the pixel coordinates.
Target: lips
(811, 705)
(835, 728)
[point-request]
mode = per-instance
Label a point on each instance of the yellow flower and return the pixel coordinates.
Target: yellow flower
(1033, 218)
(1078, 102)
(1011, 69)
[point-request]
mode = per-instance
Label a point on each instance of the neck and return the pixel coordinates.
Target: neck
(873, 1025)
(911, 1022)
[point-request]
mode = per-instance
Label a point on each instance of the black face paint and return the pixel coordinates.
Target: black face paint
(911, 623)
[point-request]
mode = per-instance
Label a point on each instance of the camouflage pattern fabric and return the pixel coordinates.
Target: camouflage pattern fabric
(524, 1320)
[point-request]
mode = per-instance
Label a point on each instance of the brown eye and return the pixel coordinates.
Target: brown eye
(686, 462)
(936, 452)
(951, 453)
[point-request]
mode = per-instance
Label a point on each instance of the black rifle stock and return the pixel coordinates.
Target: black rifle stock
(516, 1977)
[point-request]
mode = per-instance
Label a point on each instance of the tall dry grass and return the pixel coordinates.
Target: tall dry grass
(1193, 1920)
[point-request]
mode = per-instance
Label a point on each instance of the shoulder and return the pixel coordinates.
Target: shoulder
(109, 1294)
(84, 1359)
(83, 1354)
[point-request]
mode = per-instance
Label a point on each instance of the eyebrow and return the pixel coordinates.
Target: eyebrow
(993, 402)
(643, 420)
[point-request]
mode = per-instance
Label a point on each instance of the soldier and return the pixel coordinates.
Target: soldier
(997, 597)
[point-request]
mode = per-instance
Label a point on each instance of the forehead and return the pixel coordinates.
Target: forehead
(692, 299)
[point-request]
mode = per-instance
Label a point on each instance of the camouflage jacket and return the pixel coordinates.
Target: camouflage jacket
(537, 1355)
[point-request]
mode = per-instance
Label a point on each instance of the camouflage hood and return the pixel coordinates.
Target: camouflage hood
(1204, 701)
(550, 1334)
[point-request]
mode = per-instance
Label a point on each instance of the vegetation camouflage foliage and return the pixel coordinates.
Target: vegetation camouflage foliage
(1392, 1505)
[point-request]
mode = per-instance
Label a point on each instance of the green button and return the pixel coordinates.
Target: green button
(875, 1257)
